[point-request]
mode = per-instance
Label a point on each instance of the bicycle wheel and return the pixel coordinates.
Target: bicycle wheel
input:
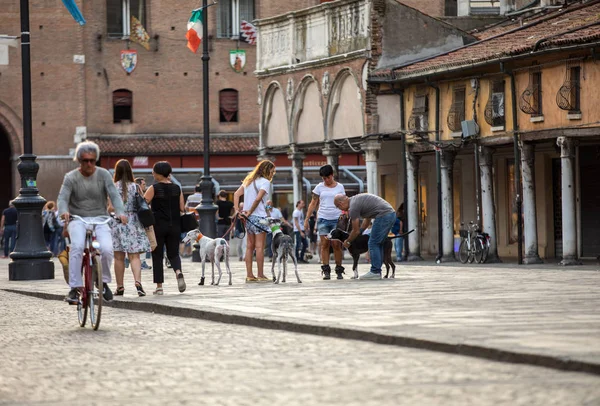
(478, 250)
(82, 306)
(463, 252)
(95, 301)
(486, 250)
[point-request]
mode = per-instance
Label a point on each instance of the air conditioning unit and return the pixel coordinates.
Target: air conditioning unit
(469, 128)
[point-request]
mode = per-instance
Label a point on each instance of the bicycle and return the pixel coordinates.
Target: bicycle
(471, 245)
(91, 295)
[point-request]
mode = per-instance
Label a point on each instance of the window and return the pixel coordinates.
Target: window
(456, 115)
(494, 109)
(418, 119)
(531, 98)
(230, 14)
(122, 106)
(228, 106)
(568, 96)
(118, 16)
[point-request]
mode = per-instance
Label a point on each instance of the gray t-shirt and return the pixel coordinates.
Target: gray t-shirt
(368, 206)
(87, 196)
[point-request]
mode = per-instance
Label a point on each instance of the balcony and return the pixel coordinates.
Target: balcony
(315, 35)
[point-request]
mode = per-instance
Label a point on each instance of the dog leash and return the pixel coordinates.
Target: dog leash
(254, 224)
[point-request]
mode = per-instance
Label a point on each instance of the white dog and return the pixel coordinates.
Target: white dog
(212, 250)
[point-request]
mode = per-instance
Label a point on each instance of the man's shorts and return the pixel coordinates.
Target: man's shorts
(325, 226)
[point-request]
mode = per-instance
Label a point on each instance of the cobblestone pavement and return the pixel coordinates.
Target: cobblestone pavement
(143, 358)
(543, 310)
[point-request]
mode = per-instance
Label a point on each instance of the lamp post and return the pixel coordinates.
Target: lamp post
(31, 259)
(207, 210)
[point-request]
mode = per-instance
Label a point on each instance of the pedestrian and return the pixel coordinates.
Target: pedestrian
(312, 233)
(299, 232)
(8, 227)
(238, 243)
(166, 200)
(255, 189)
(128, 239)
(50, 223)
(373, 209)
(398, 229)
(224, 213)
(142, 183)
(327, 215)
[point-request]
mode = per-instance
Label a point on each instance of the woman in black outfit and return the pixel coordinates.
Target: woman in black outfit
(166, 200)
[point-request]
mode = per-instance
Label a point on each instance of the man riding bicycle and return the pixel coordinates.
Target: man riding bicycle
(85, 192)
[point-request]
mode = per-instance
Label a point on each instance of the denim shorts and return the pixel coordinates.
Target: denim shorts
(325, 226)
(258, 222)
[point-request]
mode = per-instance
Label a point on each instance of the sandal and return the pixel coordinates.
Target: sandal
(120, 290)
(251, 280)
(140, 290)
(264, 279)
(158, 291)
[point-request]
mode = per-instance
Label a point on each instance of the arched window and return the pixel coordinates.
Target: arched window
(228, 106)
(122, 106)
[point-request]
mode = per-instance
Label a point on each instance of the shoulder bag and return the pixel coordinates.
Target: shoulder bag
(144, 213)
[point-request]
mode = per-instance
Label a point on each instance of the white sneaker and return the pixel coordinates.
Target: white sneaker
(371, 275)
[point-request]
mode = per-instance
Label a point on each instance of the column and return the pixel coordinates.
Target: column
(569, 223)
(529, 210)
(332, 153)
(412, 211)
(297, 159)
(371, 150)
(487, 201)
(447, 166)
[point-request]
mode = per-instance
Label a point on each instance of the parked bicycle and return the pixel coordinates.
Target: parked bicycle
(474, 245)
(90, 298)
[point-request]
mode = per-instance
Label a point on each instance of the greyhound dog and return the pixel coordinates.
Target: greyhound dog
(213, 250)
(361, 245)
(282, 248)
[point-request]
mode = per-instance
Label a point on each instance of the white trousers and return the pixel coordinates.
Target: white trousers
(77, 230)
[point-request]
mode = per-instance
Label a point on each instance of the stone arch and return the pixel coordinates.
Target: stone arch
(274, 123)
(307, 113)
(345, 116)
(13, 125)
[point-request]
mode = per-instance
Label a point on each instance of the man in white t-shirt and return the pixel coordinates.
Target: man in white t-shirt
(301, 240)
(327, 218)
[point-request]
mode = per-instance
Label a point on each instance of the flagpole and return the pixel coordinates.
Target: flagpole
(30, 259)
(207, 209)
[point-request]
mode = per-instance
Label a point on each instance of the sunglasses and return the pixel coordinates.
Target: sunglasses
(89, 161)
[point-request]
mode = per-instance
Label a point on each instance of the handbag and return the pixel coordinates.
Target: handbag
(144, 213)
(188, 222)
(151, 237)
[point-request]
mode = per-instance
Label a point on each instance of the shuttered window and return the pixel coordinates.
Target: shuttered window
(122, 106)
(228, 106)
(230, 14)
(118, 16)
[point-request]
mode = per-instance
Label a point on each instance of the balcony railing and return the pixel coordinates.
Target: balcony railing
(315, 34)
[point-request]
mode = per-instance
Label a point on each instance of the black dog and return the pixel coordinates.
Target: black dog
(361, 245)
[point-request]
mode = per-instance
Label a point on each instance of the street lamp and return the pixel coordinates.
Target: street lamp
(31, 259)
(207, 210)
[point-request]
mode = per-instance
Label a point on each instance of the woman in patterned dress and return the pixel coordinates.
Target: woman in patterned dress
(128, 238)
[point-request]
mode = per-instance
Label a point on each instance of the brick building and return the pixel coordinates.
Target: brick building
(80, 89)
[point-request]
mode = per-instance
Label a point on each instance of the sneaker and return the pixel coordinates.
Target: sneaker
(72, 297)
(181, 282)
(168, 263)
(140, 290)
(371, 275)
(145, 265)
(107, 293)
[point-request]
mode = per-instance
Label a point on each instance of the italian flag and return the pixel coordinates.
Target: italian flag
(194, 32)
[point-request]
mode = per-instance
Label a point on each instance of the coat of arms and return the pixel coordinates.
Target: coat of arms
(129, 60)
(237, 60)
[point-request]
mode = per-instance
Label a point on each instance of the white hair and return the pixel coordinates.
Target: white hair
(86, 147)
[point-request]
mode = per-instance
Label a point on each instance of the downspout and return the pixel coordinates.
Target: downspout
(517, 158)
(404, 166)
(438, 170)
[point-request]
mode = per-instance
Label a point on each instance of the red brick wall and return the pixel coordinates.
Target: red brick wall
(432, 7)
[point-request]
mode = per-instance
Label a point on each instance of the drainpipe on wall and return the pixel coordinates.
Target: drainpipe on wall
(517, 158)
(404, 166)
(438, 170)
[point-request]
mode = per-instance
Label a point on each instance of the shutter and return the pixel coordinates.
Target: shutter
(114, 18)
(224, 19)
